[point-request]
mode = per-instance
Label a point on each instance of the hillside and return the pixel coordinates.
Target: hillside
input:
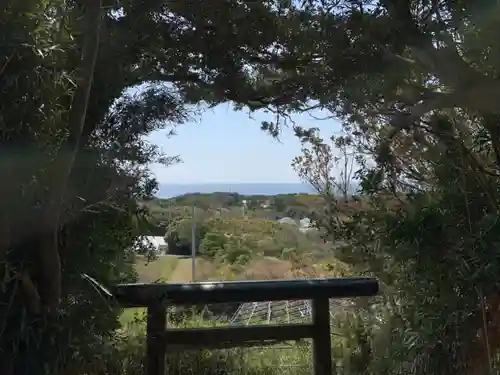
(272, 207)
(269, 188)
(240, 236)
(161, 212)
(178, 270)
(281, 204)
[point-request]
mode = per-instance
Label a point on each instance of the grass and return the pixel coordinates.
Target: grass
(292, 359)
(165, 268)
(159, 269)
(162, 269)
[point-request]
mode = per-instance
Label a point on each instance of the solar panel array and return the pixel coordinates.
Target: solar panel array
(280, 312)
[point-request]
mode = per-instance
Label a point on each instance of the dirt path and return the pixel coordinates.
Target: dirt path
(182, 272)
(159, 269)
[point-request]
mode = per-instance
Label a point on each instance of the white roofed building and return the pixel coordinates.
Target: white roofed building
(156, 243)
(287, 220)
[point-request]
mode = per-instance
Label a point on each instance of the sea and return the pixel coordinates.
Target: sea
(174, 190)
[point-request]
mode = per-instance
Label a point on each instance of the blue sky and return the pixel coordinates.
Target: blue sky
(226, 146)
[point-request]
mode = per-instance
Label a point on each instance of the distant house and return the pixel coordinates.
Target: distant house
(156, 243)
(266, 204)
(287, 220)
(305, 224)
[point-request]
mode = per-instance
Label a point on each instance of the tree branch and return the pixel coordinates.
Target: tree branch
(444, 62)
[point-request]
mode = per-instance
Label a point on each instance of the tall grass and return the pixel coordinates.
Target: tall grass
(127, 356)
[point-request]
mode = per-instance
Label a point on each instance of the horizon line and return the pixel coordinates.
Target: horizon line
(232, 183)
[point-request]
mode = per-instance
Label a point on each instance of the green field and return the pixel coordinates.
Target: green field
(159, 269)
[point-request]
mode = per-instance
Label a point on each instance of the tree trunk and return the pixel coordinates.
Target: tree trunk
(50, 262)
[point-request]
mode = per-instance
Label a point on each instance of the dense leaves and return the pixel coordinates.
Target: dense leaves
(433, 245)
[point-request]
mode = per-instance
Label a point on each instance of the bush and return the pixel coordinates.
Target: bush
(128, 351)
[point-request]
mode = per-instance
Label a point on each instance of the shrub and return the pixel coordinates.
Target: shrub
(127, 350)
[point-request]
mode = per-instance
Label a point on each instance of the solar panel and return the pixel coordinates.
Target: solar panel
(280, 312)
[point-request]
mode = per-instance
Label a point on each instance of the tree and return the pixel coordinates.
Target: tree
(81, 191)
(372, 49)
(409, 242)
(330, 175)
(392, 70)
(212, 244)
(58, 44)
(443, 161)
(180, 231)
(415, 84)
(73, 160)
(385, 68)
(318, 165)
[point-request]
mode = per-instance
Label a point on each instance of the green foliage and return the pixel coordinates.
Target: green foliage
(231, 237)
(435, 252)
(427, 225)
(237, 239)
(271, 207)
(295, 360)
(212, 244)
(41, 44)
(180, 231)
(447, 245)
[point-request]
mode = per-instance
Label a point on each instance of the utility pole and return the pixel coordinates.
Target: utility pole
(244, 207)
(193, 246)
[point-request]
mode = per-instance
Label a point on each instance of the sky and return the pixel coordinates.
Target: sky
(227, 146)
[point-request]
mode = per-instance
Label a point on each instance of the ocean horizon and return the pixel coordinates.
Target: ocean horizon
(270, 188)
